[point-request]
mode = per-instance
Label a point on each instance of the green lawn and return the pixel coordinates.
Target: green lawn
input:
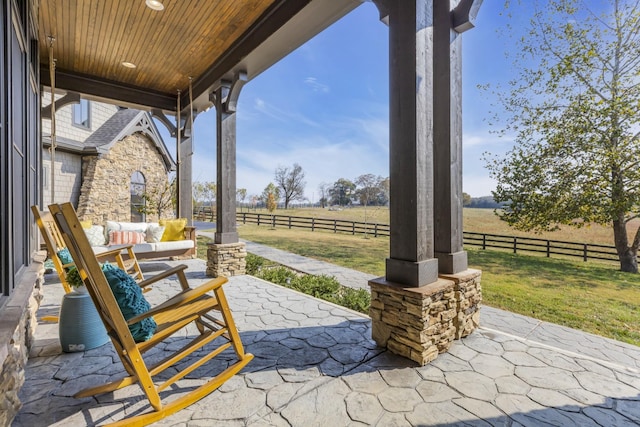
(589, 296)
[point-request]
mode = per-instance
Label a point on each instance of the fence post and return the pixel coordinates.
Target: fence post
(353, 228)
(515, 245)
(484, 241)
(259, 215)
(289, 223)
(273, 221)
(375, 230)
(335, 225)
(313, 224)
(584, 254)
(548, 249)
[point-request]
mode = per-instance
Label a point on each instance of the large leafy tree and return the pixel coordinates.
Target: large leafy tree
(291, 182)
(574, 109)
(342, 192)
(370, 190)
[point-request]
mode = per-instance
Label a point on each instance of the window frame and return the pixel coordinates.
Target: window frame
(77, 109)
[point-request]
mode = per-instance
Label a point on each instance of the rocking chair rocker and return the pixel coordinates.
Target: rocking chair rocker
(206, 306)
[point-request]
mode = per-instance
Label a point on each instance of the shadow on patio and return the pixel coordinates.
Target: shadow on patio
(316, 364)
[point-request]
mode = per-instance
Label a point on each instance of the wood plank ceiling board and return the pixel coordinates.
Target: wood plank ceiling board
(93, 38)
(208, 40)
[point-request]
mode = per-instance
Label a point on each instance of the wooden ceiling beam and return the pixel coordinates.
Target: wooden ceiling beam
(109, 90)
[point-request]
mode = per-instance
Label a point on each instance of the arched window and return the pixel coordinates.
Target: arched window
(138, 188)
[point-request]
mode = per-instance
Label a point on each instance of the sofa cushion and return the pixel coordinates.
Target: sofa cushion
(174, 246)
(154, 233)
(174, 229)
(131, 301)
(95, 235)
(126, 226)
(126, 237)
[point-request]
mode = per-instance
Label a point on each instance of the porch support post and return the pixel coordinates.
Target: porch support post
(411, 261)
(226, 256)
(447, 131)
(415, 311)
(226, 98)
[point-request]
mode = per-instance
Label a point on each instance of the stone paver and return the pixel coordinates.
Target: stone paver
(316, 365)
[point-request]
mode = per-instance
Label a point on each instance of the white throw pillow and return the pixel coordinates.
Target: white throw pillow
(154, 233)
(95, 235)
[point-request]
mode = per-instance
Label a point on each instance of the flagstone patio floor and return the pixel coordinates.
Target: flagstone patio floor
(316, 365)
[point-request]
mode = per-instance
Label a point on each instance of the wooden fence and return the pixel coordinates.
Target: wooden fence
(585, 251)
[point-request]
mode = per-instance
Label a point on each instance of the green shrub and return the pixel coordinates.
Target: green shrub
(254, 264)
(278, 275)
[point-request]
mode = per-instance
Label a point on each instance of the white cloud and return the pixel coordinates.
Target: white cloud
(315, 85)
(485, 139)
(282, 115)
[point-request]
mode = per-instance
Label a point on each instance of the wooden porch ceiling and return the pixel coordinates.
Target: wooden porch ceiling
(207, 40)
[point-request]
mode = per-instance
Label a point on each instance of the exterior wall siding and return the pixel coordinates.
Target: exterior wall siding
(68, 177)
(100, 113)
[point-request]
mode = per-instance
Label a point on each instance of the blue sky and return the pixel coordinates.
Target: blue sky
(325, 107)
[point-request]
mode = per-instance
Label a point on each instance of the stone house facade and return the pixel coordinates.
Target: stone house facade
(103, 155)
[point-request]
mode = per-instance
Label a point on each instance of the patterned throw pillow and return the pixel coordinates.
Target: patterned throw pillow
(65, 256)
(154, 233)
(174, 229)
(131, 301)
(126, 237)
(95, 235)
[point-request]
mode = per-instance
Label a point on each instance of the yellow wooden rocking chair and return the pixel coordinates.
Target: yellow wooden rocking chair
(54, 242)
(205, 305)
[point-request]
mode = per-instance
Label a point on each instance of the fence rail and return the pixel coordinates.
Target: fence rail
(549, 248)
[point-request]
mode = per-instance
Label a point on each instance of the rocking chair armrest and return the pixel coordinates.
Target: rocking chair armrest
(163, 275)
(113, 251)
(182, 298)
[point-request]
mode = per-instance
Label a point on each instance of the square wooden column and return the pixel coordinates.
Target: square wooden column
(226, 231)
(411, 261)
(447, 147)
(415, 312)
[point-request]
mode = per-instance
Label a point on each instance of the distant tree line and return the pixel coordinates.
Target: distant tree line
(485, 202)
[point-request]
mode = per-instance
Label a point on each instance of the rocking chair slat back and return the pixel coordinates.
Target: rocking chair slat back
(190, 306)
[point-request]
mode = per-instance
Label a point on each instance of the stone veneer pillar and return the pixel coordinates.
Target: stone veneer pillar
(420, 322)
(226, 259)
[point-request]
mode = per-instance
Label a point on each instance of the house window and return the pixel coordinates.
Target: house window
(82, 114)
(138, 204)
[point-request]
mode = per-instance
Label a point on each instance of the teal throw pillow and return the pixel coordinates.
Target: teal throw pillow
(65, 256)
(131, 301)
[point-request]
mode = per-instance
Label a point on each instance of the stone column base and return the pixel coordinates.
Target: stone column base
(468, 296)
(419, 323)
(226, 259)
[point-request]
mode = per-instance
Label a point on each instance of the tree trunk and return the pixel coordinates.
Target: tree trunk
(629, 261)
(626, 254)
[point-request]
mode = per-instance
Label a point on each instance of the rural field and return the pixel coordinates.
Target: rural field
(591, 296)
(474, 220)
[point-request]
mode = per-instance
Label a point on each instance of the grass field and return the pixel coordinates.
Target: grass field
(475, 220)
(589, 296)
